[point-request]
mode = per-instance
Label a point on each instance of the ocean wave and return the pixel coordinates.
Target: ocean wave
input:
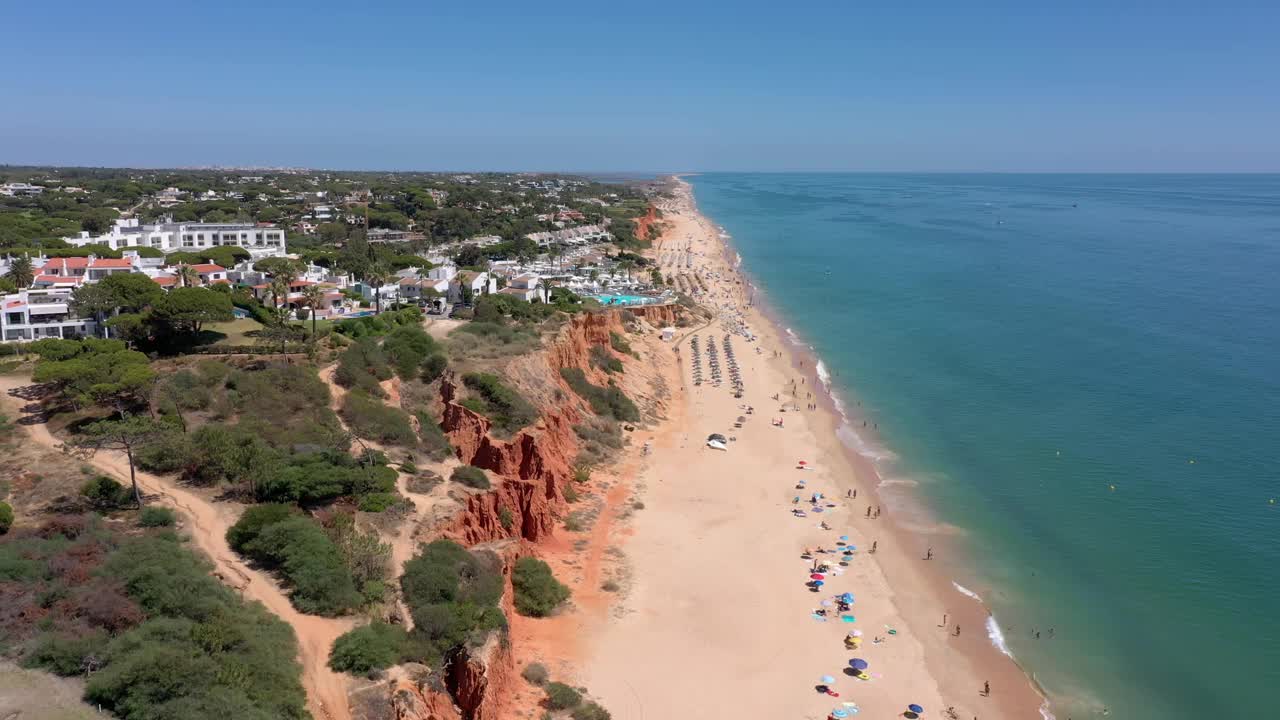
(966, 591)
(997, 637)
(1044, 711)
(824, 376)
(852, 439)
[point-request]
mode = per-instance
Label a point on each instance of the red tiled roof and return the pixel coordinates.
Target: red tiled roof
(72, 263)
(220, 281)
(75, 280)
(165, 279)
(14, 303)
(112, 263)
(203, 268)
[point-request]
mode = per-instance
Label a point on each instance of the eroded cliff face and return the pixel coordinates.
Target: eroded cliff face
(535, 466)
(536, 463)
(644, 223)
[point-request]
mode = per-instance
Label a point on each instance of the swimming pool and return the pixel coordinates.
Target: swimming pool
(362, 313)
(607, 299)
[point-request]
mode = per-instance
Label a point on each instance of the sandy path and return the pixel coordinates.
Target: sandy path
(207, 522)
(719, 621)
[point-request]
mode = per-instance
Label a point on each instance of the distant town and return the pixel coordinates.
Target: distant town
(310, 245)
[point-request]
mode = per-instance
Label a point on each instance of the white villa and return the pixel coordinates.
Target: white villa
(582, 235)
(261, 240)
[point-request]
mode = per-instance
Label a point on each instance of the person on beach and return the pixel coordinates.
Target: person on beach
(928, 555)
(986, 689)
(957, 629)
(874, 544)
(944, 620)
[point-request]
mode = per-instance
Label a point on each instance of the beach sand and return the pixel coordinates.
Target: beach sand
(717, 620)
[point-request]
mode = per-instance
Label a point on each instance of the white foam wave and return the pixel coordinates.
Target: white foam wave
(1044, 712)
(966, 591)
(824, 376)
(997, 637)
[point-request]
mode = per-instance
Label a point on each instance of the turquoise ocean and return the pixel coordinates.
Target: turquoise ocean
(1026, 342)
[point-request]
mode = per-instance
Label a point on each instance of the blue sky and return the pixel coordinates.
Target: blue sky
(818, 85)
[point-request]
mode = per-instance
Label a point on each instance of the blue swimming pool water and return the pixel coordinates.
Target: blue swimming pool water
(607, 299)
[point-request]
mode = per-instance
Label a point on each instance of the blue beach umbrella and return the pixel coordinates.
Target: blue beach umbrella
(817, 583)
(839, 713)
(826, 679)
(860, 664)
(916, 709)
(847, 597)
(844, 537)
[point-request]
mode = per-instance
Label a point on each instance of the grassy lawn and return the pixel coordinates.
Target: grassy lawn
(233, 333)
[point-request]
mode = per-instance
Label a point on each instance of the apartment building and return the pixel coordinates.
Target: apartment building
(261, 240)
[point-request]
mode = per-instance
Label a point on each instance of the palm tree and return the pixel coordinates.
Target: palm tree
(626, 264)
(21, 272)
(279, 287)
(313, 298)
(376, 278)
(187, 276)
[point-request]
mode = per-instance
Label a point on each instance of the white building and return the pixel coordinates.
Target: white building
(20, 188)
(36, 314)
(261, 240)
(478, 283)
(526, 287)
(582, 235)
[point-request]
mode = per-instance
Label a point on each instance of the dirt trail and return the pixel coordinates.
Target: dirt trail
(207, 523)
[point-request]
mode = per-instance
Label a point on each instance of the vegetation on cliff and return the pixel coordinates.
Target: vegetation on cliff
(160, 636)
(537, 592)
(453, 595)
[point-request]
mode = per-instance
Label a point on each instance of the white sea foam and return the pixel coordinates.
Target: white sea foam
(824, 376)
(997, 637)
(966, 591)
(1044, 712)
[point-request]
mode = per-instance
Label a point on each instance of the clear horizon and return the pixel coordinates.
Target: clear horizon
(1097, 87)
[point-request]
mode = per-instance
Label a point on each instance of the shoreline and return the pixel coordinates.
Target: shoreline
(865, 452)
(905, 589)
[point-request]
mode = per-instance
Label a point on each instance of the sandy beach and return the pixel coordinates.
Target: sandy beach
(719, 619)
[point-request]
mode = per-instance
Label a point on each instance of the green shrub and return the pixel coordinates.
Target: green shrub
(605, 401)
(433, 367)
(434, 442)
(375, 646)
(408, 347)
(535, 673)
(603, 359)
(537, 592)
(503, 406)
(471, 476)
(306, 558)
(377, 502)
(153, 516)
(253, 521)
(582, 473)
(506, 518)
(619, 343)
(453, 597)
(66, 655)
(590, 711)
(363, 365)
(570, 494)
(561, 696)
(6, 517)
(370, 418)
(104, 493)
(408, 467)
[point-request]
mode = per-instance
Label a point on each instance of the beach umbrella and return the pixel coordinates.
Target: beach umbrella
(826, 679)
(817, 576)
(839, 713)
(848, 618)
(802, 462)
(858, 664)
(827, 603)
(817, 583)
(915, 709)
(847, 597)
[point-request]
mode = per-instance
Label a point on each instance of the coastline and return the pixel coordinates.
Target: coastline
(899, 585)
